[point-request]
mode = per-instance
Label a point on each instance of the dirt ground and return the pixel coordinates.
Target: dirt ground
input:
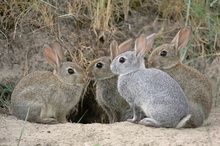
(21, 52)
(117, 134)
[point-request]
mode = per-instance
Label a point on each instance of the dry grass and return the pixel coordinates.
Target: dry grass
(102, 16)
(172, 9)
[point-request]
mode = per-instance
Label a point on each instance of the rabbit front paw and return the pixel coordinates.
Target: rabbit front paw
(134, 120)
(48, 121)
(149, 122)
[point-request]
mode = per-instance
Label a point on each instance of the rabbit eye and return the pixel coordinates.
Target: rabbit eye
(99, 65)
(163, 53)
(122, 60)
(71, 71)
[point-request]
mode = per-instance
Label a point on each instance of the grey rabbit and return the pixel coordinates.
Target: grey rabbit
(49, 96)
(158, 95)
(107, 96)
(167, 57)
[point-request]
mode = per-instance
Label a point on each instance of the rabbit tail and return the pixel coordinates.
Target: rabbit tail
(198, 115)
(183, 121)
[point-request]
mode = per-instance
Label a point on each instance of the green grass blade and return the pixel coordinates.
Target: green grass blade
(217, 93)
(22, 131)
(187, 14)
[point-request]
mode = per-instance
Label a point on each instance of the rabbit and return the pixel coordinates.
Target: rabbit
(157, 94)
(107, 96)
(196, 87)
(47, 96)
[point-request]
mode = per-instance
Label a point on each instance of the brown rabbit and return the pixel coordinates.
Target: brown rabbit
(107, 96)
(167, 57)
(48, 96)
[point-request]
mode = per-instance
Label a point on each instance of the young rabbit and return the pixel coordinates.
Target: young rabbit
(49, 96)
(107, 96)
(158, 95)
(167, 57)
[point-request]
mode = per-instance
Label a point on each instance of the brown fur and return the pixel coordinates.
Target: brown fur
(49, 96)
(107, 94)
(193, 83)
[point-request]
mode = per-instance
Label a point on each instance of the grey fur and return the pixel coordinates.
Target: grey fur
(107, 95)
(154, 91)
(49, 96)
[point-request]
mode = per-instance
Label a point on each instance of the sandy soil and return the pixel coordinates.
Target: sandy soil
(117, 134)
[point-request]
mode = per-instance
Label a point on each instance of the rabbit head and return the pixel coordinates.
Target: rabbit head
(100, 68)
(128, 61)
(169, 55)
(67, 72)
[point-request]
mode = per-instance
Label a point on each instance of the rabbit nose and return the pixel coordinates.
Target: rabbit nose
(89, 74)
(83, 79)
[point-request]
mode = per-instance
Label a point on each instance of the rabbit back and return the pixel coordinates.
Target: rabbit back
(158, 95)
(198, 91)
(29, 93)
(43, 97)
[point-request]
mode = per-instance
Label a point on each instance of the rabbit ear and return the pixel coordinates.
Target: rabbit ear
(182, 38)
(125, 46)
(57, 47)
(51, 56)
(150, 41)
(143, 44)
(140, 44)
(114, 49)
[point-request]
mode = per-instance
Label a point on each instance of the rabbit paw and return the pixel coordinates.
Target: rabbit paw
(149, 122)
(49, 121)
(133, 120)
